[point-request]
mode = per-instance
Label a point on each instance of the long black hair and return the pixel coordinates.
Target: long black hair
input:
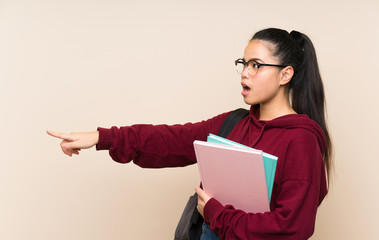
(306, 88)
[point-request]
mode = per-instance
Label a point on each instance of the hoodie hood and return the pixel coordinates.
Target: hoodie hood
(291, 121)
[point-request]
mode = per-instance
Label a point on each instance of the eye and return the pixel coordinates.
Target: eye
(254, 65)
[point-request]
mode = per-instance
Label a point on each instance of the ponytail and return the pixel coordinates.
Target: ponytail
(306, 88)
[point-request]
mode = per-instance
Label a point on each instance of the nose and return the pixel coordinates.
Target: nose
(245, 72)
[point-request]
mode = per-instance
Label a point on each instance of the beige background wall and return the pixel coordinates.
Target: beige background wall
(75, 65)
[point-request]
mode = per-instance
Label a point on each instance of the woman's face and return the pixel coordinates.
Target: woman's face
(262, 87)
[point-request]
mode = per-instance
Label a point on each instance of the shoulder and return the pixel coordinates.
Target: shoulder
(300, 130)
(300, 136)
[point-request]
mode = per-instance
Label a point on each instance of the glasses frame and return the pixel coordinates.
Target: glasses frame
(259, 65)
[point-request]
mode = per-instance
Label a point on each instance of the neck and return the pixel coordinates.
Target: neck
(275, 109)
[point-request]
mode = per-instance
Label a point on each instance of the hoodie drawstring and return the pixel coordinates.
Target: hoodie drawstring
(260, 135)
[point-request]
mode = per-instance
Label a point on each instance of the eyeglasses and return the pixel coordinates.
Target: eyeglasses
(252, 66)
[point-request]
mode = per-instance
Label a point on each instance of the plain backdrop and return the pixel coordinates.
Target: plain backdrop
(74, 65)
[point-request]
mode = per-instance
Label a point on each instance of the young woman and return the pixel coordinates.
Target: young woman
(280, 80)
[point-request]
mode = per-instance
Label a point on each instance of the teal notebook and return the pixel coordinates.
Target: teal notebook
(268, 160)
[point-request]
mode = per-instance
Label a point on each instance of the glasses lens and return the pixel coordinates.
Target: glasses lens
(239, 67)
(253, 67)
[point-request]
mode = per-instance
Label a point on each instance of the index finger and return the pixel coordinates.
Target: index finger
(64, 136)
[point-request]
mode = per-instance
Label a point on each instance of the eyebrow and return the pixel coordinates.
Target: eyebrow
(255, 59)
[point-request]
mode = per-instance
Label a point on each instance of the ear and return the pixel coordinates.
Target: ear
(286, 75)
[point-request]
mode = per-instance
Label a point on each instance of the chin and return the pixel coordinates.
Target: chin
(250, 101)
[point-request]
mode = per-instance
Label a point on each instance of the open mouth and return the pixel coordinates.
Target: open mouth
(245, 88)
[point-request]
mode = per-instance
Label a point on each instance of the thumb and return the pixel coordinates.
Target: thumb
(199, 192)
(202, 194)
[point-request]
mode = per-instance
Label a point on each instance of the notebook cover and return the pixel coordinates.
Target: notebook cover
(269, 160)
(233, 175)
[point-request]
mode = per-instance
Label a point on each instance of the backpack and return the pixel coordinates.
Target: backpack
(191, 221)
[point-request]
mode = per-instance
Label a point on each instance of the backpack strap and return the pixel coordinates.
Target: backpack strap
(196, 220)
(231, 121)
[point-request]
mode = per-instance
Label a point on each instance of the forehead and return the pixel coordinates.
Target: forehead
(259, 49)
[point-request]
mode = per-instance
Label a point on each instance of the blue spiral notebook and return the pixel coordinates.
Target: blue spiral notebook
(269, 160)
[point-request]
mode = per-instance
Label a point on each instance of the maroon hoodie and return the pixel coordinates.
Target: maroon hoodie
(299, 185)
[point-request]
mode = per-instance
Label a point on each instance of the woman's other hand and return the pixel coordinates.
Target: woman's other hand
(73, 142)
(203, 198)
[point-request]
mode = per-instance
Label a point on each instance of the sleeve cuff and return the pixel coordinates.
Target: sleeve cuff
(212, 209)
(105, 139)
